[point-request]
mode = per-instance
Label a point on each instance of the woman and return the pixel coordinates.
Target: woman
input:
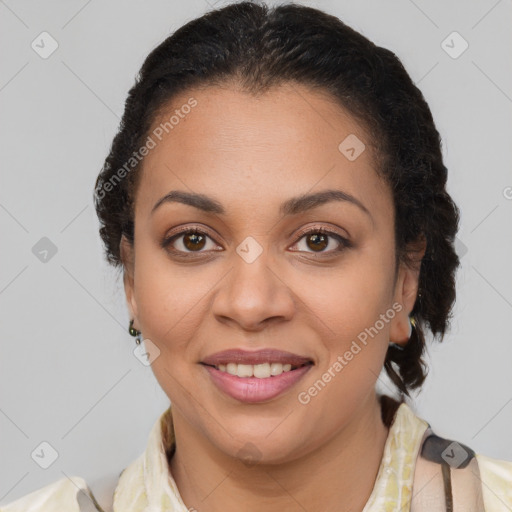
(276, 198)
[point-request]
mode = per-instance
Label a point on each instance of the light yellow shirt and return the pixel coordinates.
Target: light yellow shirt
(146, 485)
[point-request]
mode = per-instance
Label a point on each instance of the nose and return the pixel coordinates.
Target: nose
(253, 294)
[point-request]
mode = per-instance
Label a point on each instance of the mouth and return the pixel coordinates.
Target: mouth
(260, 371)
(255, 358)
(258, 376)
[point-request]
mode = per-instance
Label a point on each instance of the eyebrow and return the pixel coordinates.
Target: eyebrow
(292, 206)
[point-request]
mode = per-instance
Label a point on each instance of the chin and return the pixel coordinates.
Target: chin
(261, 448)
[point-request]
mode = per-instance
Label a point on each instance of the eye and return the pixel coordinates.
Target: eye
(319, 239)
(187, 240)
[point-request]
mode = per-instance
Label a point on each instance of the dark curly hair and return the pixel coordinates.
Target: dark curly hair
(258, 47)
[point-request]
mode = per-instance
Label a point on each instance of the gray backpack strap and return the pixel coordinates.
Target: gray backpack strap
(446, 477)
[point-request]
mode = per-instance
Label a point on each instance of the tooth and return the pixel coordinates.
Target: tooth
(232, 368)
(262, 371)
(276, 369)
(244, 370)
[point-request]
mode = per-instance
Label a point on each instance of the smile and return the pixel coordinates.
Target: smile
(260, 371)
(257, 383)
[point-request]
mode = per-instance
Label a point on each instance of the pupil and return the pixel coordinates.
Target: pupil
(315, 238)
(193, 241)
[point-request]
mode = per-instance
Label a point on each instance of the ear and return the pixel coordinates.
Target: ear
(128, 258)
(406, 291)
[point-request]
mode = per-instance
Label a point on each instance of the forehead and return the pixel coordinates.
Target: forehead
(243, 148)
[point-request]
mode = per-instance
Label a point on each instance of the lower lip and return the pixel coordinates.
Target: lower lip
(252, 389)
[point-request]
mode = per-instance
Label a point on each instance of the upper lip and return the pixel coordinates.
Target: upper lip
(267, 355)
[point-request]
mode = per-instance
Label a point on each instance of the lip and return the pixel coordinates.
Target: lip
(253, 389)
(266, 355)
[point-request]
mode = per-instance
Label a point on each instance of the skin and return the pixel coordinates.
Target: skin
(251, 154)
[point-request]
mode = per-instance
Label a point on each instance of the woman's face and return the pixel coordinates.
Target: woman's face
(254, 280)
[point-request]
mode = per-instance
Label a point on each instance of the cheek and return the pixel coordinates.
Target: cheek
(170, 308)
(169, 298)
(352, 296)
(355, 304)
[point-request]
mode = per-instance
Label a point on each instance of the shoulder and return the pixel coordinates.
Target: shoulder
(496, 476)
(64, 495)
(455, 473)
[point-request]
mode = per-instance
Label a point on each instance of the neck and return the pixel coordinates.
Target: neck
(340, 474)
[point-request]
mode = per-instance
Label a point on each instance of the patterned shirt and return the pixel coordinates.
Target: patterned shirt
(146, 484)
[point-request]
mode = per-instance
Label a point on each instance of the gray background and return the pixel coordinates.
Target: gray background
(67, 372)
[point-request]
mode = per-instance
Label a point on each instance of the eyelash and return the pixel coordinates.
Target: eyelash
(344, 243)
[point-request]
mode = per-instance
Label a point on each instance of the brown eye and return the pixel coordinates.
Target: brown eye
(193, 241)
(318, 241)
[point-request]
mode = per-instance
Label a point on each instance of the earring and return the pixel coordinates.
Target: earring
(134, 332)
(411, 325)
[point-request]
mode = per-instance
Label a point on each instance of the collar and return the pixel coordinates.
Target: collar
(147, 484)
(393, 486)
